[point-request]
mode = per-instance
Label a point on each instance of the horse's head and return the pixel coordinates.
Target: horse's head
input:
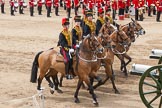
(92, 44)
(122, 38)
(104, 40)
(129, 29)
(139, 29)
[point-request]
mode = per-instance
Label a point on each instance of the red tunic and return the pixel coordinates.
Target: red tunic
(48, 3)
(121, 4)
(85, 2)
(31, 3)
(128, 3)
(2, 2)
(90, 4)
(76, 3)
(114, 5)
(39, 2)
(98, 3)
(11, 3)
(158, 5)
(135, 2)
(68, 3)
(149, 2)
(56, 3)
(20, 2)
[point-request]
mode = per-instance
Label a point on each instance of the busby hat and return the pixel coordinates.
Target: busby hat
(89, 13)
(77, 18)
(65, 21)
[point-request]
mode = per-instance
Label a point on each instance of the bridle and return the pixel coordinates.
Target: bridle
(122, 43)
(94, 49)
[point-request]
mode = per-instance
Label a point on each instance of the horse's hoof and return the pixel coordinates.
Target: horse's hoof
(96, 103)
(77, 100)
(117, 92)
(51, 91)
(59, 91)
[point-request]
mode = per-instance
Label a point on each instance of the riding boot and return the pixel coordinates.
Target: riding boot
(67, 70)
(71, 68)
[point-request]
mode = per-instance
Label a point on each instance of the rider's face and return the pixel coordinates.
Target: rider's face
(78, 23)
(66, 26)
(90, 18)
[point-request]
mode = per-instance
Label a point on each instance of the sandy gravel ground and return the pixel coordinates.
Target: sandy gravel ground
(22, 36)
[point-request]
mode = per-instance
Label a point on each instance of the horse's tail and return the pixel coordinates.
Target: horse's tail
(35, 68)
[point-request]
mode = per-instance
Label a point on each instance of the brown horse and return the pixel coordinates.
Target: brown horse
(133, 30)
(116, 41)
(46, 61)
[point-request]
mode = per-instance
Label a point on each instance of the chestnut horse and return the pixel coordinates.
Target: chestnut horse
(82, 64)
(133, 30)
(118, 40)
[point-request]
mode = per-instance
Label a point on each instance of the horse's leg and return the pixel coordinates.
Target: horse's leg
(40, 78)
(101, 83)
(61, 79)
(123, 65)
(80, 82)
(51, 85)
(56, 83)
(127, 57)
(112, 78)
(91, 91)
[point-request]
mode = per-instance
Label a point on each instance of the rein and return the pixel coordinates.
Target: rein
(102, 57)
(93, 60)
(117, 52)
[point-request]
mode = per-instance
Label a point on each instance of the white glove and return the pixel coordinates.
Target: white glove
(71, 50)
(77, 45)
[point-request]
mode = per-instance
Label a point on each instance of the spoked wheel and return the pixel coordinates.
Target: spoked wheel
(150, 87)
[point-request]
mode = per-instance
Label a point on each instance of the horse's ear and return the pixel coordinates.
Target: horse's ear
(132, 19)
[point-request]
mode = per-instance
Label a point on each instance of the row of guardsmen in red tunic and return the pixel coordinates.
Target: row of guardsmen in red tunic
(20, 6)
(2, 3)
(12, 7)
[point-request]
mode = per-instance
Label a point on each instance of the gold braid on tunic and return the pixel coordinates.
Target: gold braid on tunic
(78, 32)
(91, 25)
(102, 20)
(67, 35)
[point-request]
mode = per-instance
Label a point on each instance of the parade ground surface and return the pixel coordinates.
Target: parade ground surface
(22, 36)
